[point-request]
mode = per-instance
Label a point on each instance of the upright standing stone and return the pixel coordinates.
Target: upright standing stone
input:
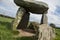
(44, 19)
(21, 16)
(24, 21)
(45, 31)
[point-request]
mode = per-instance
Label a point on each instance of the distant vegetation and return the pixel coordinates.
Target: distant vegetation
(1, 15)
(6, 32)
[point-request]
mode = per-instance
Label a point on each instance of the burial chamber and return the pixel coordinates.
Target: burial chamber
(32, 6)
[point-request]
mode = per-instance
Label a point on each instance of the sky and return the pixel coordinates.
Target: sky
(8, 7)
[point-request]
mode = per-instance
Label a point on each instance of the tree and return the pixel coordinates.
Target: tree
(52, 25)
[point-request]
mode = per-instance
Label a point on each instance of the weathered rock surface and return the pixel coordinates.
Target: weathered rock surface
(46, 32)
(24, 34)
(44, 19)
(21, 20)
(24, 21)
(32, 6)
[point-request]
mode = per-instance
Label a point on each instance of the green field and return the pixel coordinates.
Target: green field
(57, 34)
(7, 34)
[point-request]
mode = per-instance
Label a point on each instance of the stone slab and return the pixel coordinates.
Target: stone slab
(32, 6)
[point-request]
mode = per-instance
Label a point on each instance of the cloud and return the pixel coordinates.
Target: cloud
(35, 17)
(10, 7)
(52, 17)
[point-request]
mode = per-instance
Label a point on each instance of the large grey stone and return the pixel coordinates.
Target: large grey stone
(21, 20)
(44, 19)
(24, 21)
(46, 32)
(32, 6)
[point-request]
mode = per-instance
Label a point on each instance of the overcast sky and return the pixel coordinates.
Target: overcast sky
(8, 7)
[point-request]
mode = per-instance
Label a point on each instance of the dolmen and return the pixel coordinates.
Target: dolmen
(21, 22)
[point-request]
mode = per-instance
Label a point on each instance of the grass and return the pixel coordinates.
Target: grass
(24, 38)
(57, 34)
(5, 23)
(5, 29)
(15, 32)
(6, 32)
